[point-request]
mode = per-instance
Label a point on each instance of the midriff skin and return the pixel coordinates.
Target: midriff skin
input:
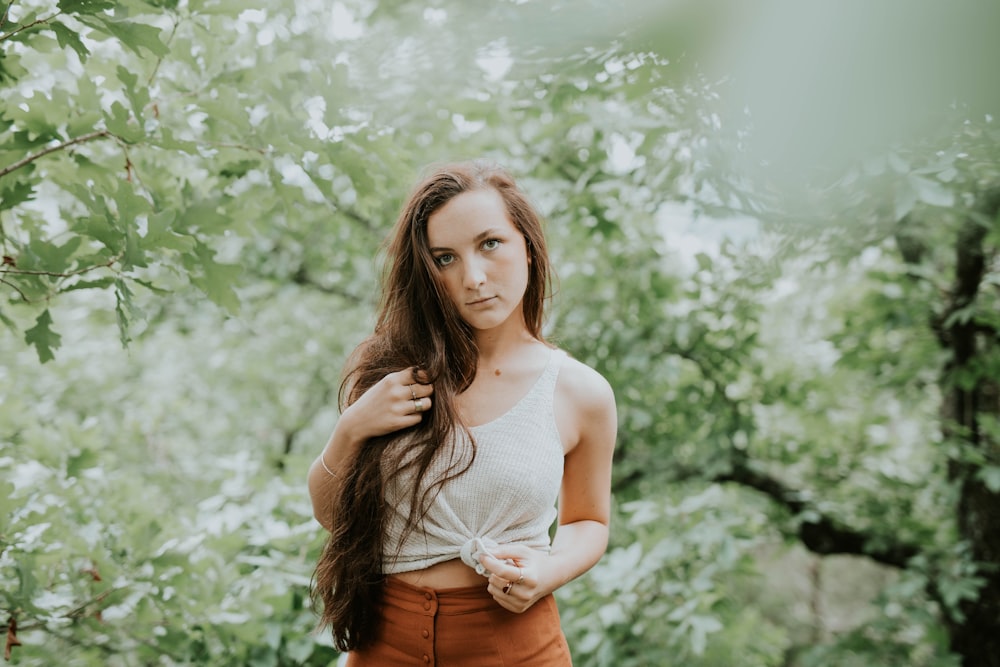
(449, 574)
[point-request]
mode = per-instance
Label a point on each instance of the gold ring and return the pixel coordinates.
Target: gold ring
(413, 394)
(418, 405)
(521, 578)
(506, 589)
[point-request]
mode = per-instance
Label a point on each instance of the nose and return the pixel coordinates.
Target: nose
(474, 275)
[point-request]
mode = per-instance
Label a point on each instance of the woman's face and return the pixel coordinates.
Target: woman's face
(481, 258)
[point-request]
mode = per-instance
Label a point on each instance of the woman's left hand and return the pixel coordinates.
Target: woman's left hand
(517, 576)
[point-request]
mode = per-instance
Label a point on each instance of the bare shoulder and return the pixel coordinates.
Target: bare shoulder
(585, 403)
(583, 386)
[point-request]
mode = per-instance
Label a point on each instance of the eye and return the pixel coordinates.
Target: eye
(491, 244)
(444, 260)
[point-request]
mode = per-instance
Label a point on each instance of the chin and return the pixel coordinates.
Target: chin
(485, 323)
(490, 319)
(483, 326)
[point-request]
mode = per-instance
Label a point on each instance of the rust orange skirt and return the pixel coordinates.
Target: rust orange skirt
(462, 627)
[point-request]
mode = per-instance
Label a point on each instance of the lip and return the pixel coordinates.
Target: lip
(480, 302)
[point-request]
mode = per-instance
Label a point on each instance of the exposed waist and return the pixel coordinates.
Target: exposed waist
(449, 574)
(422, 551)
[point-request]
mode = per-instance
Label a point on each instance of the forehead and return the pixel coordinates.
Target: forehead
(466, 215)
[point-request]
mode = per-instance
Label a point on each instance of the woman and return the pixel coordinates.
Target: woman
(460, 428)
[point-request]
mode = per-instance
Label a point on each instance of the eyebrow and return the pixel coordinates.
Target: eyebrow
(481, 236)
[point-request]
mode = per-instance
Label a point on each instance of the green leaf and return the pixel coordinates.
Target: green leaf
(160, 234)
(102, 228)
(137, 96)
(8, 503)
(43, 338)
(25, 141)
(17, 193)
(134, 254)
(102, 225)
(126, 311)
(960, 316)
(54, 258)
(131, 207)
(223, 7)
(134, 36)
(239, 169)
(27, 582)
(150, 286)
(85, 6)
(120, 124)
(10, 69)
(227, 107)
(216, 280)
(990, 476)
(100, 283)
(905, 200)
(168, 140)
(932, 192)
(87, 458)
(701, 627)
(205, 217)
(898, 163)
(9, 323)
(87, 112)
(67, 37)
(299, 649)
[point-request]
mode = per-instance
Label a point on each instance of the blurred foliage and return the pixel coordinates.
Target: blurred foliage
(208, 183)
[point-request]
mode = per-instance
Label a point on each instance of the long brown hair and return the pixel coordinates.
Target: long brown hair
(418, 327)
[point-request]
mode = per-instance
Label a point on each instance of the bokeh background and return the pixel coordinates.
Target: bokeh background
(775, 228)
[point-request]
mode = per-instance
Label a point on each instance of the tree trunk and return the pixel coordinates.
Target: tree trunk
(972, 393)
(975, 632)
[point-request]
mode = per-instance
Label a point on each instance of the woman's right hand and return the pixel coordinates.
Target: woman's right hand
(397, 401)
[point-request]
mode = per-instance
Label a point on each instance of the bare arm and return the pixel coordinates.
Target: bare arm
(322, 477)
(590, 426)
(395, 402)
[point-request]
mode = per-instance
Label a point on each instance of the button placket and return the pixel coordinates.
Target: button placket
(427, 632)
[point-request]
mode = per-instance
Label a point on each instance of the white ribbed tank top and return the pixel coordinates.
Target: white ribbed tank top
(508, 495)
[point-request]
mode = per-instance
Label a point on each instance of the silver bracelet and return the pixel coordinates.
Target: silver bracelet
(322, 462)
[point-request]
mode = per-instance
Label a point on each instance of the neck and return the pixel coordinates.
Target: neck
(496, 349)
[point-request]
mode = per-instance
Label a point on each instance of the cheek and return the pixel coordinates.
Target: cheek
(452, 282)
(524, 273)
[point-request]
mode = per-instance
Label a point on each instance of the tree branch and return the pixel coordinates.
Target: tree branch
(16, 289)
(6, 12)
(317, 401)
(52, 149)
(23, 27)
(822, 535)
(970, 268)
(66, 274)
(305, 279)
(825, 535)
(349, 212)
(241, 147)
(356, 217)
(970, 262)
(159, 61)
